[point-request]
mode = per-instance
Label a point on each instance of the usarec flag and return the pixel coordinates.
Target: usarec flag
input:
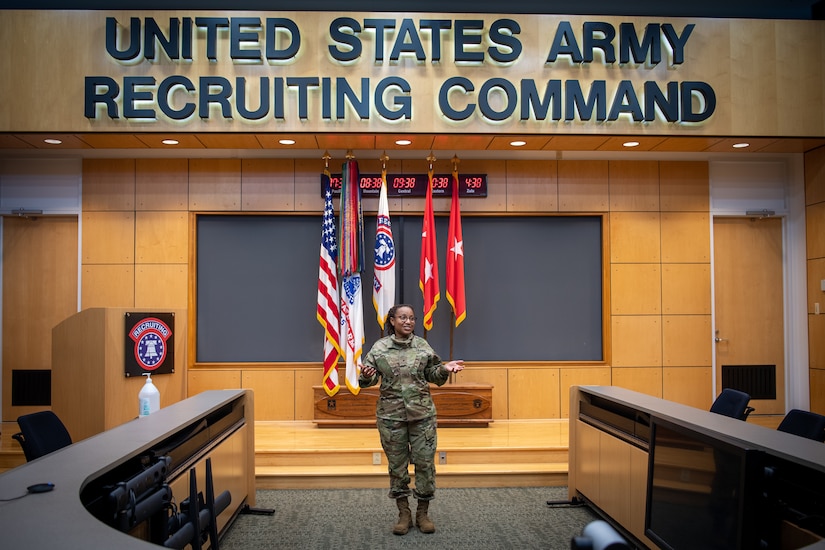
(383, 288)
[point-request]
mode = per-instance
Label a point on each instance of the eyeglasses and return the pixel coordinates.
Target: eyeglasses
(405, 318)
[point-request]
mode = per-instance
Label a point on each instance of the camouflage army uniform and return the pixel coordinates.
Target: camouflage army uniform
(405, 412)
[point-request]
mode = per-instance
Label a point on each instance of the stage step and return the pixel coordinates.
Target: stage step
(448, 475)
(505, 455)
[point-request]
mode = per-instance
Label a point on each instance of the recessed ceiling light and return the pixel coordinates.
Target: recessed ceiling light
(402, 142)
(518, 143)
(286, 141)
(630, 144)
(170, 142)
(52, 141)
(741, 145)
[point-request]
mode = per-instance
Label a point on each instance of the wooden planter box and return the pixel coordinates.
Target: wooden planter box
(458, 406)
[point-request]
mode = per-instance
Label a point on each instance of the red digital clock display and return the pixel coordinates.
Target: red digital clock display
(415, 185)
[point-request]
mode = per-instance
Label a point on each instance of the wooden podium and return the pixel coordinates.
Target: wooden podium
(90, 391)
(458, 406)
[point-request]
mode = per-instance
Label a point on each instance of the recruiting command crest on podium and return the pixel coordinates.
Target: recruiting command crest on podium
(150, 343)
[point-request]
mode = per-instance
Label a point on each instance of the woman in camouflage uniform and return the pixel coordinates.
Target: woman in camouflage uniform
(405, 413)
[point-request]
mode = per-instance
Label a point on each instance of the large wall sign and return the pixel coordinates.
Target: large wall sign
(364, 72)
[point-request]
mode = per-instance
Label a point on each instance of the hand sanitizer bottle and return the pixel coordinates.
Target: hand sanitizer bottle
(148, 398)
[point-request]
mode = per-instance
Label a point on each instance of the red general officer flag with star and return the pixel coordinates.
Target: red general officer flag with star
(428, 277)
(455, 258)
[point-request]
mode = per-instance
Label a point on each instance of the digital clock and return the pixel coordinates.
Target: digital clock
(415, 185)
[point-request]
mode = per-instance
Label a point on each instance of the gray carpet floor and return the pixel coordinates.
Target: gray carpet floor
(485, 518)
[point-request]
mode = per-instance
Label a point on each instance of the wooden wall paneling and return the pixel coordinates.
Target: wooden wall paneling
(635, 289)
(533, 393)
(532, 186)
(268, 184)
(108, 238)
(107, 285)
(583, 185)
(815, 230)
(305, 378)
(275, 390)
(161, 237)
(161, 184)
(200, 380)
(634, 185)
(818, 391)
(39, 270)
(686, 289)
(496, 377)
(641, 379)
(815, 176)
(635, 237)
(108, 185)
(215, 184)
(579, 376)
(816, 341)
(688, 385)
(685, 237)
(816, 273)
(687, 340)
(637, 341)
(308, 184)
(162, 286)
(684, 186)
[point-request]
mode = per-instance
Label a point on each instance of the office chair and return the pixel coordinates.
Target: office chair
(732, 403)
(804, 424)
(40, 434)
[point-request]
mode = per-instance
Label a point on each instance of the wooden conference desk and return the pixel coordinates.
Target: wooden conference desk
(59, 519)
(609, 438)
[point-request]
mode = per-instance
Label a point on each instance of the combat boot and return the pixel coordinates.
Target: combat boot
(404, 517)
(422, 520)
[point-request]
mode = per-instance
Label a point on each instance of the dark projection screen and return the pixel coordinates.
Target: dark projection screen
(533, 287)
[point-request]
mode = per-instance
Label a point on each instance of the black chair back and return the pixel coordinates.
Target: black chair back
(804, 423)
(41, 433)
(732, 403)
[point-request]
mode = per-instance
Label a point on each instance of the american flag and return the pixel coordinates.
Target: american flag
(328, 298)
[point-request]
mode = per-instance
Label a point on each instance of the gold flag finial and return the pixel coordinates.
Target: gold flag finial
(431, 159)
(456, 161)
(350, 154)
(384, 158)
(326, 158)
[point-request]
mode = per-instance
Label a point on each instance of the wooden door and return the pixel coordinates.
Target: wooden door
(750, 333)
(39, 291)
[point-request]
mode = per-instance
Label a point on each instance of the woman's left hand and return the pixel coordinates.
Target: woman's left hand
(455, 366)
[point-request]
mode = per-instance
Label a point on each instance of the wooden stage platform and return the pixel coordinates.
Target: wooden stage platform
(295, 455)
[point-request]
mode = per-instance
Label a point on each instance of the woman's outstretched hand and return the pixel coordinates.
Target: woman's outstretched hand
(455, 366)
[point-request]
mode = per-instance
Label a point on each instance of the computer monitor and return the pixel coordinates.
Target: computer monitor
(703, 492)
